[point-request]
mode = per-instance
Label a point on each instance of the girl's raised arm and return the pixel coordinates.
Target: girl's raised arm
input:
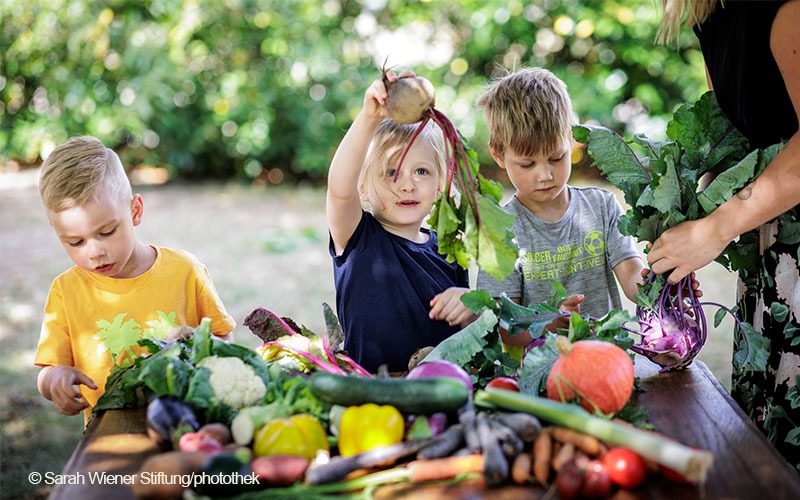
(343, 202)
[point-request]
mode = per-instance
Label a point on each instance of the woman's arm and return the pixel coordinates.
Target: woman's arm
(693, 244)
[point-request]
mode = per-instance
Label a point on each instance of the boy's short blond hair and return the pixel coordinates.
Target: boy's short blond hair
(528, 111)
(80, 170)
(389, 142)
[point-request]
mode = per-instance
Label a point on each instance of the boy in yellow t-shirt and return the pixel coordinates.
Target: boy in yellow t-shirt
(120, 290)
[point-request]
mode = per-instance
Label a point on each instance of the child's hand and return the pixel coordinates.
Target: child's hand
(57, 384)
(447, 306)
(571, 304)
(375, 96)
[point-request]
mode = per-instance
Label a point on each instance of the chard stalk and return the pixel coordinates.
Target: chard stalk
(321, 364)
(692, 463)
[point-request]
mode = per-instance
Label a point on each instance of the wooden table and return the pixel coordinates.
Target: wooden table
(689, 405)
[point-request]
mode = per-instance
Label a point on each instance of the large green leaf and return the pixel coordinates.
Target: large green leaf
(728, 182)
(612, 154)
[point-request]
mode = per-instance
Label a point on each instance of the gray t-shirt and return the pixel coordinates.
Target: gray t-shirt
(579, 251)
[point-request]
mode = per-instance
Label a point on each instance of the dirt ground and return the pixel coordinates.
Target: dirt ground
(263, 246)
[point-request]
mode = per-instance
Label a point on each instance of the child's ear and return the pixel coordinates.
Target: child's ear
(137, 209)
(498, 158)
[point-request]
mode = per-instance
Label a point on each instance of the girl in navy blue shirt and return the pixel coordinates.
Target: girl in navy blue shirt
(394, 292)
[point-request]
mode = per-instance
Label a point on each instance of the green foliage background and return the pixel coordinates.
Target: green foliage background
(242, 88)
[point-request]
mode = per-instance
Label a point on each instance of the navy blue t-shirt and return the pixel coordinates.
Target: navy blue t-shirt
(384, 285)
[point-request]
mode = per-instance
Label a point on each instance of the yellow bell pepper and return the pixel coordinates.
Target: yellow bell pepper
(301, 435)
(369, 426)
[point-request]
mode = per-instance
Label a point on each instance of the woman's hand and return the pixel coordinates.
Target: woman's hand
(686, 248)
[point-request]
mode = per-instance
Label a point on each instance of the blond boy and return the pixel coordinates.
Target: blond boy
(565, 233)
(120, 290)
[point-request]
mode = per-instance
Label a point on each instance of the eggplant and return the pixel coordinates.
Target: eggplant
(167, 419)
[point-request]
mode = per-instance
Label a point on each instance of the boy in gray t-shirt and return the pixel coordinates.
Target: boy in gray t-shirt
(566, 234)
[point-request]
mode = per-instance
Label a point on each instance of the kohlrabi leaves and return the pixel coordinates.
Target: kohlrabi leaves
(661, 183)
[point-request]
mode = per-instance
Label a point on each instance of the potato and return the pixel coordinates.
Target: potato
(217, 431)
(279, 470)
(169, 463)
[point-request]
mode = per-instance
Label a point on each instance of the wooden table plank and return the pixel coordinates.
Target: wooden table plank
(693, 407)
(116, 443)
(689, 405)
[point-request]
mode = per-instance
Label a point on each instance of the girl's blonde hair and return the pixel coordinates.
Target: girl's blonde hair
(675, 11)
(389, 142)
(80, 170)
(528, 111)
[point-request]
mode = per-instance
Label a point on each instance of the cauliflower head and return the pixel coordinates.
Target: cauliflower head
(234, 382)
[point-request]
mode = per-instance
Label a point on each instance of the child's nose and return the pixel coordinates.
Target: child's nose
(545, 174)
(96, 250)
(406, 182)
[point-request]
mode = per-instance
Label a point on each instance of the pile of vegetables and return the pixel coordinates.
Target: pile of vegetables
(315, 423)
(660, 181)
(466, 216)
(214, 377)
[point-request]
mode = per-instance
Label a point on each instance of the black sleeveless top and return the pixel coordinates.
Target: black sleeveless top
(746, 79)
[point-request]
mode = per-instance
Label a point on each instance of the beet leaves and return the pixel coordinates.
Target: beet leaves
(660, 183)
(469, 222)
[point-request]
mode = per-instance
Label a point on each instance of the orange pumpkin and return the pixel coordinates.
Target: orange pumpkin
(599, 374)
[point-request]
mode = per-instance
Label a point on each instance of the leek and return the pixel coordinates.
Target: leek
(692, 463)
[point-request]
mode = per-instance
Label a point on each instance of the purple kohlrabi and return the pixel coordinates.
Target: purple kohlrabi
(673, 332)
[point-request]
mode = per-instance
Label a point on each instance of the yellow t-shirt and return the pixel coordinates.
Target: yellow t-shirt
(90, 319)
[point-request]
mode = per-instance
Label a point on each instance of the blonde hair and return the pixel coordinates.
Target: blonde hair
(674, 13)
(528, 111)
(388, 144)
(80, 170)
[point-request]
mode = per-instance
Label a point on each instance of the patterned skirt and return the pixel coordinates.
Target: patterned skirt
(769, 299)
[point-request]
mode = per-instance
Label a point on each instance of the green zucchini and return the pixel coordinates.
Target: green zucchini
(418, 396)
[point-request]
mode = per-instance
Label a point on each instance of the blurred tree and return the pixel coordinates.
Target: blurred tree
(264, 89)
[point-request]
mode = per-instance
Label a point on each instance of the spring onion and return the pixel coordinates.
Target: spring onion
(692, 463)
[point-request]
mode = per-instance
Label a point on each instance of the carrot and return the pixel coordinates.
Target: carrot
(444, 444)
(521, 468)
(526, 426)
(339, 467)
(495, 465)
(564, 455)
(542, 453)
(444, 468)
(584, 442)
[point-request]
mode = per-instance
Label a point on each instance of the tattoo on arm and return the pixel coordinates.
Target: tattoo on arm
(746, 192)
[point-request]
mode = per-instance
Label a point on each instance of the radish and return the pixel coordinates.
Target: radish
(469, 221)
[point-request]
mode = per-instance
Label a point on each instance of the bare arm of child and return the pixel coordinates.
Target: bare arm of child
(343, 202)
(629, 274)
(447, 306)
(56, 383)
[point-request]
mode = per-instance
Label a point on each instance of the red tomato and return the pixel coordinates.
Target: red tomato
(507, 383)
(569, 481)
(596, 481)
(625, 467)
